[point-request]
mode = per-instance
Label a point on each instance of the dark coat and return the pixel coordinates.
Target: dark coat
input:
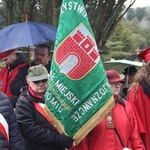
(15, 140)
(38, 133)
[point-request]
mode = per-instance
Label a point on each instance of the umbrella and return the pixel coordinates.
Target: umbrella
(26, 34)
(119, 65)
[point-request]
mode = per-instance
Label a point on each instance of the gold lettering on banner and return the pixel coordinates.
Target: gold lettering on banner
(90, 103)
(73, 6)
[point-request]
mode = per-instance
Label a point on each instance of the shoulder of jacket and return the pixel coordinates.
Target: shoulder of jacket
(24, 100)
(4, 98)
(5, 104)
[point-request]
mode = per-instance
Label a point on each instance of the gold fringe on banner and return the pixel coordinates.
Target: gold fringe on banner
(88, 126)
(56, 123)
(94, 120)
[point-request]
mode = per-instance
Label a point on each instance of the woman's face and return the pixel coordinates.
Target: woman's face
(115, 87)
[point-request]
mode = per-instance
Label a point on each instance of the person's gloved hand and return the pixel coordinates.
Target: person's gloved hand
(65, 141)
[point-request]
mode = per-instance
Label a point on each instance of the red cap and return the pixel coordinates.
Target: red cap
(145, 54)
(113, 76)
(6, 53)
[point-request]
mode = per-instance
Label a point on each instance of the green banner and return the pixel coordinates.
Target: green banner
(78, 95)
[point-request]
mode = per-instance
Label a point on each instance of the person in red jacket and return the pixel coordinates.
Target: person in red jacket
(118, 130)
(139, 97)
(13, 61)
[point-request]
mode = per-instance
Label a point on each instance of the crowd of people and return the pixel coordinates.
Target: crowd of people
(24, 125)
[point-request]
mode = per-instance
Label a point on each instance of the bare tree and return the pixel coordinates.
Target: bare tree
(103, 14)
(9, 10)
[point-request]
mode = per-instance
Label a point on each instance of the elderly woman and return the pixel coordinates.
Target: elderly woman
(118, 130)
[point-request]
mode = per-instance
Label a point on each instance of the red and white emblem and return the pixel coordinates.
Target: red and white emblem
(77, 54)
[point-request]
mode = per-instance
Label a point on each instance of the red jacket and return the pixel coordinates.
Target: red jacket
(141, 102)
(7, 78)
(6, 75)
(104, 138)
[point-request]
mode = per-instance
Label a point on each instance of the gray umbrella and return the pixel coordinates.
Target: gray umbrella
(119, 65)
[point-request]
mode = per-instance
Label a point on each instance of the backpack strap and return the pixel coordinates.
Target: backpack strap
(118, 135)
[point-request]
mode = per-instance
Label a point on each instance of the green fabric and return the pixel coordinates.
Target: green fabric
(78, 87)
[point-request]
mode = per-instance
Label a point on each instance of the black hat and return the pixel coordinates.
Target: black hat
(129, 70)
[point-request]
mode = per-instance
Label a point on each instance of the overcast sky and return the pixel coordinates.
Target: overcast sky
(141, 3)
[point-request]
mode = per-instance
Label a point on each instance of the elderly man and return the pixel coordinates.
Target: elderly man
(36, 128)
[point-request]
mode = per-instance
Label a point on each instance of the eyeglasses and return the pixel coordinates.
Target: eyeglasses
(115, 83)
(43, 81)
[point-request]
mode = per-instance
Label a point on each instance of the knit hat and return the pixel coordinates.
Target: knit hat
(129, 70)
(113, 76)
(6, 53)
(145, 55)
(37, 73)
